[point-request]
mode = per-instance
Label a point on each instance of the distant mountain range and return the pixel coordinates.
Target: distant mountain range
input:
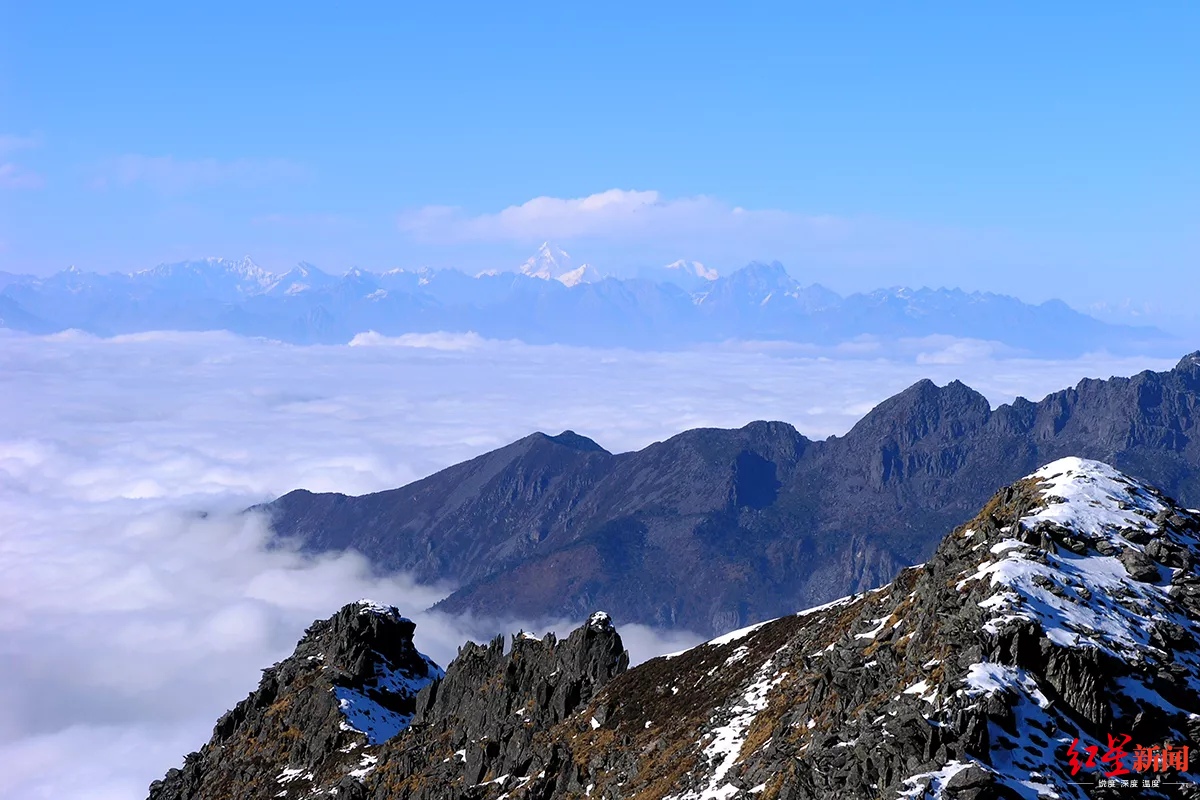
(713, 529)
(1049, 642)
(548, 299)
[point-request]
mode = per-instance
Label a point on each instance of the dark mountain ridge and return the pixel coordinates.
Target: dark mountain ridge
(712, 529)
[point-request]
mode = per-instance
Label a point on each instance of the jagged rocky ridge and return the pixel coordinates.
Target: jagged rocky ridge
(712, 530)
(1068, 608)
(325, 722)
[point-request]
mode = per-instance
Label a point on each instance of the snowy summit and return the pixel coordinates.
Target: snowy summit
(551, 263)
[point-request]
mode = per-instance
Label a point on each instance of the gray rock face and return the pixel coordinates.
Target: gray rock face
(490, 716)
(585, 661)
(713, 529)
(969, 677)
(1139, 565)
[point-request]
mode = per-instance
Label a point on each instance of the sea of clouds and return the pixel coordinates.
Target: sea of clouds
(129, 622)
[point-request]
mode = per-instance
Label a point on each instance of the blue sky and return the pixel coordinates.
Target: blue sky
(1012, 147)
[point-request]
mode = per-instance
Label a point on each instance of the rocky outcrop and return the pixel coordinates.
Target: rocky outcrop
(351, 683)
(714, 529)
(484, 727)
(1030, 630)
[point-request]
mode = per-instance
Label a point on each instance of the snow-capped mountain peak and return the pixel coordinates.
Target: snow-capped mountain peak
(583, 274)
(551, 263)
(250, 271)
(691, 276)
(1087, 584)
(547, 263)
(1107, 532)
(244, 267)
(230, 278)
(301, 278)
(692, 269)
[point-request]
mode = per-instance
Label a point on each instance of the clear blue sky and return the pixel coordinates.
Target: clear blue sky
(1040, 149)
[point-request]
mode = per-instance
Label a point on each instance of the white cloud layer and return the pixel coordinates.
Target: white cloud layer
(615, 213)
(693, 225)
(128, 624)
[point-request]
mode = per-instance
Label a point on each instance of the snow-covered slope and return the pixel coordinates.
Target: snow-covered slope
(1100, 570)
(1065, 612)
(304, 277)
(583, 274)
(376, 706)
